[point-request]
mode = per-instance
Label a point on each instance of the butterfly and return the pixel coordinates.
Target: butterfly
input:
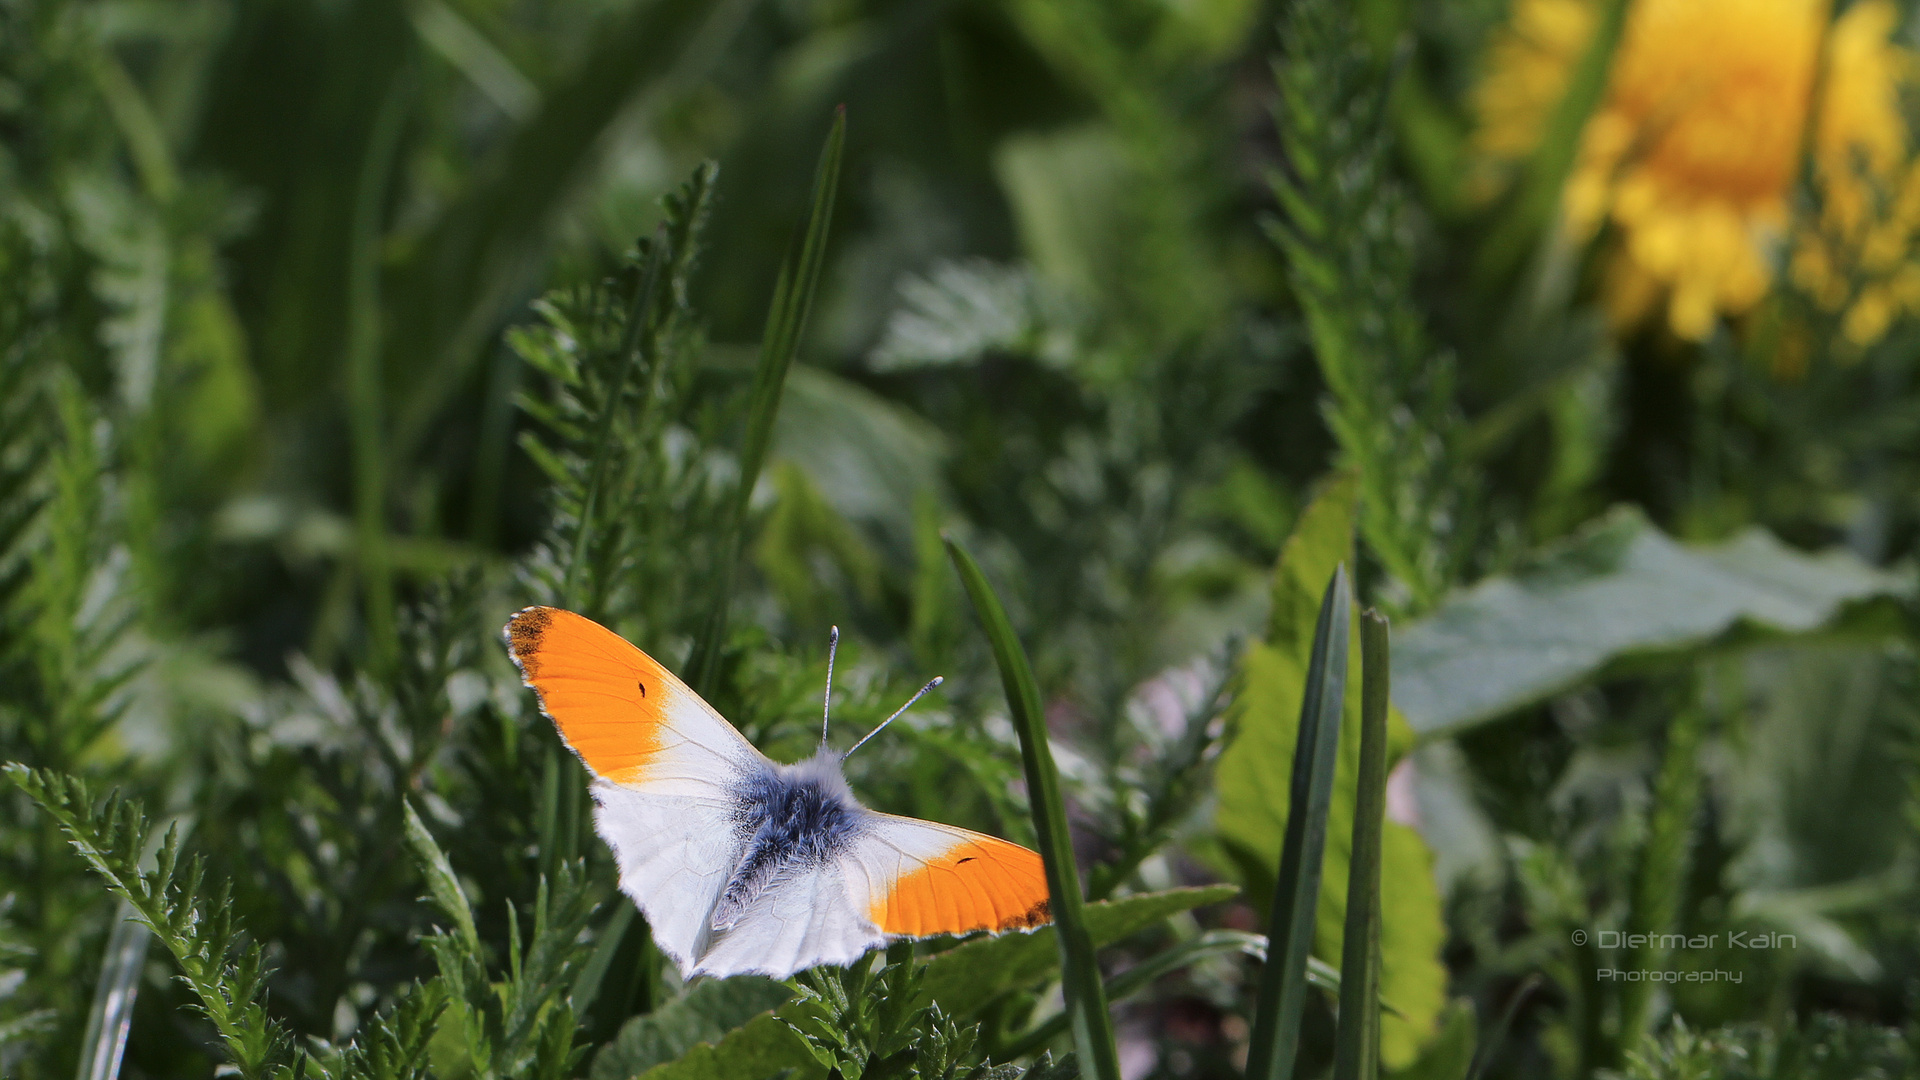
(739, 863)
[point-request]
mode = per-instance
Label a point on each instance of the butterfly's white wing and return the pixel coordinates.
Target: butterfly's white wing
(896, 877)
(666, 767)
(803, 918)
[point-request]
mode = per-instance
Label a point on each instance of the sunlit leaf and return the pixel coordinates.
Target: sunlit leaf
(704, 1015)
(1620, 588)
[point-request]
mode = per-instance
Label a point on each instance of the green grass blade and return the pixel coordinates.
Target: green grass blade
(1296, 893)
(1533, 205)
(586, 985)
(111, 1017)
(471, 269)
(1496, 1037)
(366, 383)
(1357, 1052)
(1139, 977)
(786, 323)
(1086, 997)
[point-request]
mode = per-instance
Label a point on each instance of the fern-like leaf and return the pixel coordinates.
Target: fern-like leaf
(1344, 230)
(227, 976)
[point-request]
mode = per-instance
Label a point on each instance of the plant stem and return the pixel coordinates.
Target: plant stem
(1357, 1053)
(365, 382)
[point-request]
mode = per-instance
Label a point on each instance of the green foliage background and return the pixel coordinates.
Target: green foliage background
(334, 331)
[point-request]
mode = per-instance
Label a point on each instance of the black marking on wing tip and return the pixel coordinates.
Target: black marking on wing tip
(968, 859)
(643, 688)
(1039, 914)
(524, 633)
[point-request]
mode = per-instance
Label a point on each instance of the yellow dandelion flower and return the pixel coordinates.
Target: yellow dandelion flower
(1693, 153)
(1852, 257)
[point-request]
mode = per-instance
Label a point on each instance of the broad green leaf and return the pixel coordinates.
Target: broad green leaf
(1065, 190)
(803, 537)
(1251, 779)
(706, 1014)
(1450, 1055)
(1619, 588)
(762, 1046)
(962, 980)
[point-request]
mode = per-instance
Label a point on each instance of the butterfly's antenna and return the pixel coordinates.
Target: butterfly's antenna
(937, 680)
(826, 709)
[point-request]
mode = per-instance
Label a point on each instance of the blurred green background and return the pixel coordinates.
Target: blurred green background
(1591, 347)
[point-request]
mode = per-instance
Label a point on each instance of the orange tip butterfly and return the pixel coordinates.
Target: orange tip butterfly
(739, 863)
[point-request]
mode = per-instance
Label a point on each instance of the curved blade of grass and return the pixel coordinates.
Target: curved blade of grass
(1086, 997)
(1357, 1049)
(469, 271)
(1296, 893)
(365, 381)
(1533, 205)
(786, 323)
(110, 1018)
(616, 983)
(1138, 977)
(586, 985)
(1496, 1036)
(103, 1047)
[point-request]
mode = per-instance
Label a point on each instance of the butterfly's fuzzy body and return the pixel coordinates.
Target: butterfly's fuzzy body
(789, 817)
(742, 864)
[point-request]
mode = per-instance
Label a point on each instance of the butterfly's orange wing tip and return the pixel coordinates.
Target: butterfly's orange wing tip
(978, 884)
(595, 686)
